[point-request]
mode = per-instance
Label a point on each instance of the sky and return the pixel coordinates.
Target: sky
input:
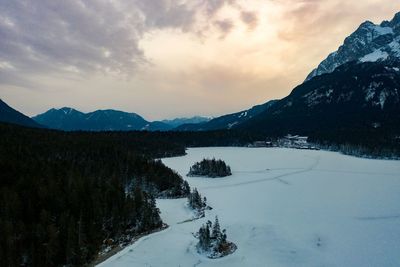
(168, 58)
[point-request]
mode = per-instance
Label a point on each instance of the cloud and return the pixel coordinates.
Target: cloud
(250, 19)
(311, 19)
(224, 26)
(122, 53)
(52, 35)
(82, 36)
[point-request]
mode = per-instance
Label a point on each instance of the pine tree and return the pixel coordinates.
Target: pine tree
(216, 230)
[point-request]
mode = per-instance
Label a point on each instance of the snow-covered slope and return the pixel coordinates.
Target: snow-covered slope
(283, 207)
(370, 42)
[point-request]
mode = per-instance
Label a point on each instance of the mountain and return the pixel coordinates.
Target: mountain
(359, 102)
(228, 121)
(370, 42)
(354, 93)
(69, 119)
(157, 126)
(180, 121)
(10, 115)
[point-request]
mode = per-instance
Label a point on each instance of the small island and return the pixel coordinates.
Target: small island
(212, 241)
(210, 168)
(198, 204)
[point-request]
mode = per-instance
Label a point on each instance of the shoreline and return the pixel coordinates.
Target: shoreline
(103, 257)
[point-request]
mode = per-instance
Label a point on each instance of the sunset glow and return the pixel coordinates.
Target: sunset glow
(165, 59)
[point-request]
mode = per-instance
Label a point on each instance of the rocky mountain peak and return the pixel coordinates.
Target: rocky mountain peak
(370, 42)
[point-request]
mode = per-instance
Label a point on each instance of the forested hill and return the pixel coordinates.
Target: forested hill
(63, 194)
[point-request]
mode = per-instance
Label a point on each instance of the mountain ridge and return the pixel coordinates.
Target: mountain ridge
(70, 119)
(358, 103)
(228, 121)
(10, 115)
(379, 41)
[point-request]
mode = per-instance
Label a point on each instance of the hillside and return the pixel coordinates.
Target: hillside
(10, 115)
(358, 103)
(227, 121)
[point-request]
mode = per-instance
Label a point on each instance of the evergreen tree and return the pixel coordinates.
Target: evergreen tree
(195, 200)
(216, 230)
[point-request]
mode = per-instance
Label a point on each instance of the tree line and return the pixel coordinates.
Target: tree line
(64, 195)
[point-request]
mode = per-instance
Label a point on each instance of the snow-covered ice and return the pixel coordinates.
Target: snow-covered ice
(283, 207)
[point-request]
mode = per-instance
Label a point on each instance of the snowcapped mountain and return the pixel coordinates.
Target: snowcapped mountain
(356, 102)
(10, 115)
(352, 97)
(370, 42)
(227, 121)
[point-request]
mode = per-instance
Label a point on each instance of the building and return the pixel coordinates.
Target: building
(295, 141)
(262, 144)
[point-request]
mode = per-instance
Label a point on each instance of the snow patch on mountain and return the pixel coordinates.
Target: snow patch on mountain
(230, 125)
(243, 114)
(379, 30)
(395, 47)
(370, 92)
(382, 98)
(375, 56)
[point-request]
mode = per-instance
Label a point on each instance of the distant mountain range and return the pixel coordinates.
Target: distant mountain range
(69, 119)
(227, 121)
(10, 115)
(180, 121)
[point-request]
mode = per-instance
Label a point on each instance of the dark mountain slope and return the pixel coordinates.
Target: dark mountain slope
(227, 121)
(10, 115)
(69, 119)
(356, 101)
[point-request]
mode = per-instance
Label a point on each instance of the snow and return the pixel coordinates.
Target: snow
(382, 98)
(371, 90)
(395, 47)
(382, 30)
(375, 56)
(283, 207)
(243, 114)
(230, 125)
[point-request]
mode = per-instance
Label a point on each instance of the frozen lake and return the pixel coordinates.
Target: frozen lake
(283, 207)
